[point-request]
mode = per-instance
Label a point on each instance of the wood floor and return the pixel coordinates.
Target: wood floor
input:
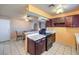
(17, 48)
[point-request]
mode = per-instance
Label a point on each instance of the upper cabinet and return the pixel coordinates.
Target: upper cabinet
(68, 21)
(59, 22)
(75, 21)
(49, 23)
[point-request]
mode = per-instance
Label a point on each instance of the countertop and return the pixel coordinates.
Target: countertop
(36, 36)
(51, 32)
(31, 32)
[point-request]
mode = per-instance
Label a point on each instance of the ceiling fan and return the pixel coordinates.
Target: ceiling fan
(57, 8)
(51, 5)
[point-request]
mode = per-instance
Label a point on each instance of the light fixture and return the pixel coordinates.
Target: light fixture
(58, 9)
(61, 10)
(25, 18)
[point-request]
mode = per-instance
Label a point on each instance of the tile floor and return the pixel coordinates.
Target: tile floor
(17, 48)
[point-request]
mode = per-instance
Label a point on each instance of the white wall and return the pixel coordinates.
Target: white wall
(20, 25)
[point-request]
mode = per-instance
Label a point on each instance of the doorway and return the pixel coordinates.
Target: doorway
(4, 30)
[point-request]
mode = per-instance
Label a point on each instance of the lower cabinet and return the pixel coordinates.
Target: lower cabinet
(53, 37)
(36, 47)
(41, 45)
(50, 39)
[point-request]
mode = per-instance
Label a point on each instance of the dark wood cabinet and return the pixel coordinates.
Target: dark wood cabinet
(68, 21)
(59, 22)
(75, 21)
(30, 46)
(72, 21)
(50, 39)
(40, 46)
(56, 22)
(36, 47)
(49, 23)
(53, 37)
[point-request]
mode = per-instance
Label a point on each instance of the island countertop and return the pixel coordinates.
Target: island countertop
(36, 36)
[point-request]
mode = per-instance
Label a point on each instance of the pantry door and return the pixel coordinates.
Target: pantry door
(4, 30)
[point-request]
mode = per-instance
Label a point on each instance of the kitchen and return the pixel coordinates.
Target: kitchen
(34, 31)
(40, 37)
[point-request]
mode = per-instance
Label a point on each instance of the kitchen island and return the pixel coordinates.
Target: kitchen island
(36, 43)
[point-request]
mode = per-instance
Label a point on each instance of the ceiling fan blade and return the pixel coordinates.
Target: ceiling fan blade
(51, 5)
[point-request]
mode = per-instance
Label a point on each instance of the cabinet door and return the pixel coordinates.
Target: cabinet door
(75, 21)
(59, 22)
(49, 23)
(68, 21)
(52, 37)
(30, 46)
(40, 46)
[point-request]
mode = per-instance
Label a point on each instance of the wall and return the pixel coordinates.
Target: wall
(65, 35)
(20, 25)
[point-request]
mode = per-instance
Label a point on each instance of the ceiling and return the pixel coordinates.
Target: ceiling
(31, 14)
(12, 10)
(51, 10)
(34, 16)
(18, 10)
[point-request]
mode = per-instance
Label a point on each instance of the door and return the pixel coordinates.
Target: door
(4, 30)
(40, 46)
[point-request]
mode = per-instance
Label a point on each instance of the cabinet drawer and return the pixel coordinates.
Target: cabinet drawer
(31, 46)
